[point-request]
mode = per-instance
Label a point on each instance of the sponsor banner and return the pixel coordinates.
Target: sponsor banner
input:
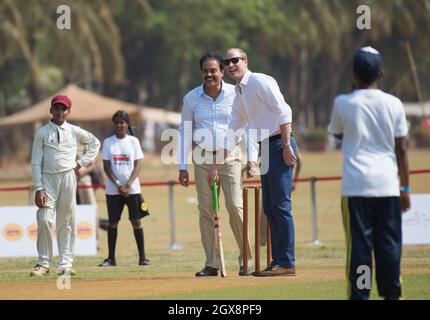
(18, 227)
(416, 221)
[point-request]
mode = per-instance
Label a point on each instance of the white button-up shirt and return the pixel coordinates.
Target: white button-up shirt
(54, 150)
(259, 103)
(204, 121)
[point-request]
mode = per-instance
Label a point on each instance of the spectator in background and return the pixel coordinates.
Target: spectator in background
(122, 162)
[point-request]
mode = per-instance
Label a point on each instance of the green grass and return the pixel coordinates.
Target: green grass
(191, 258)
(415, 286)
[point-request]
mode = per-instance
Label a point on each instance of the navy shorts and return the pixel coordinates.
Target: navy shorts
(137, 208)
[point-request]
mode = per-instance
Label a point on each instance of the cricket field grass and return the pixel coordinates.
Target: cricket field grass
(320, 268)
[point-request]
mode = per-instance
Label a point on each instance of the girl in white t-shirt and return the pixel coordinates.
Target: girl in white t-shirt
(122, 161)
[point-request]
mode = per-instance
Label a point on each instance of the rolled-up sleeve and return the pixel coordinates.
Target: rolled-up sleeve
(185, 134)
(252, 149)
(36, 161)
(269, 91)
(93, 146)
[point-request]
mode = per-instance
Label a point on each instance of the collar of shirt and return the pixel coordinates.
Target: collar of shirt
(55, 126)
(245, 78)
(243, 82)
(202, 93)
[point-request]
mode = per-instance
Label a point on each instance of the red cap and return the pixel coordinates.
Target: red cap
(63, 100)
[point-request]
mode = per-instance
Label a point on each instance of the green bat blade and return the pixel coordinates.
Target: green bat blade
(214, 195)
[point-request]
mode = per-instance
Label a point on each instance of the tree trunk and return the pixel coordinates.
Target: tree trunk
(35, 86)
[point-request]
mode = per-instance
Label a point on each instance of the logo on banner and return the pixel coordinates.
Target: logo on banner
(32, 231)
(144, 206)
(12, 232)
(84, 230)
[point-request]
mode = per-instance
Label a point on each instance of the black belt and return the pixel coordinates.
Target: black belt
(275, 137)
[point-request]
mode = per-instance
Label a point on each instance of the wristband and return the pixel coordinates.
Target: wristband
(405, 189)
(117, 183)
(287, 145)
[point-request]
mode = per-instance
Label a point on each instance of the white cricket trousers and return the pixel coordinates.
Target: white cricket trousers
(60, 189)
(231, 185)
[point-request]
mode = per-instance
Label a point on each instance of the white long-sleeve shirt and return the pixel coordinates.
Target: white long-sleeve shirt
(260, 105)
(54, 150)
(204, 121)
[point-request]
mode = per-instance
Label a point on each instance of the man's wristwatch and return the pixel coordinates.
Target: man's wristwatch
(286, 145)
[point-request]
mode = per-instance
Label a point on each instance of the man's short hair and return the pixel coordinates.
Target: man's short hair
(241, 51)
(367, 64)
(212, 55)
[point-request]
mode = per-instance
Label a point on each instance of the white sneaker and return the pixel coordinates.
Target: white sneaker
(66, 270)
(39, 271)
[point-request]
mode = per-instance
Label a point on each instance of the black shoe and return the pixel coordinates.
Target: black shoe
(144, 262)
(108, 263)
(207, 272)
(104, 224)
(242, 273)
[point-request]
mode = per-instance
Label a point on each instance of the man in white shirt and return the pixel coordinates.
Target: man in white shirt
(373, 129)
(205, 118)
(54, 165)
(261, 106)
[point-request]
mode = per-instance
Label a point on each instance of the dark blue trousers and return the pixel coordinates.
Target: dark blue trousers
(373, 224)
(276, 189)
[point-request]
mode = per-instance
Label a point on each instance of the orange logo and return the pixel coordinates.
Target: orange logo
(84, 230)
(144, 206)
(12, 232)
(32, 231)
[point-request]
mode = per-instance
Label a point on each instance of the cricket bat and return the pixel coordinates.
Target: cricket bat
(217, 225)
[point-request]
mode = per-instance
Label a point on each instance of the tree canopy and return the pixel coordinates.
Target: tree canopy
(147, 51)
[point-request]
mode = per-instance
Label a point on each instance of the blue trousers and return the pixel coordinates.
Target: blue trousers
(276, 188)
(373, 224)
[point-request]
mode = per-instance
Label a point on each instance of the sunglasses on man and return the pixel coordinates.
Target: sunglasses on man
(234, 60)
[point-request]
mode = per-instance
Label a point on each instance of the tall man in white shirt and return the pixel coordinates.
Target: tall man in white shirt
(261, 105)
(373, 129)
(204, 121)
(54, 165)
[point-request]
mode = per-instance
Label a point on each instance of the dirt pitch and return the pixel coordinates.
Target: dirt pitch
(150, 286)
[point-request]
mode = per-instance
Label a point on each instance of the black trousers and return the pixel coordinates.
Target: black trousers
(373, 224)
